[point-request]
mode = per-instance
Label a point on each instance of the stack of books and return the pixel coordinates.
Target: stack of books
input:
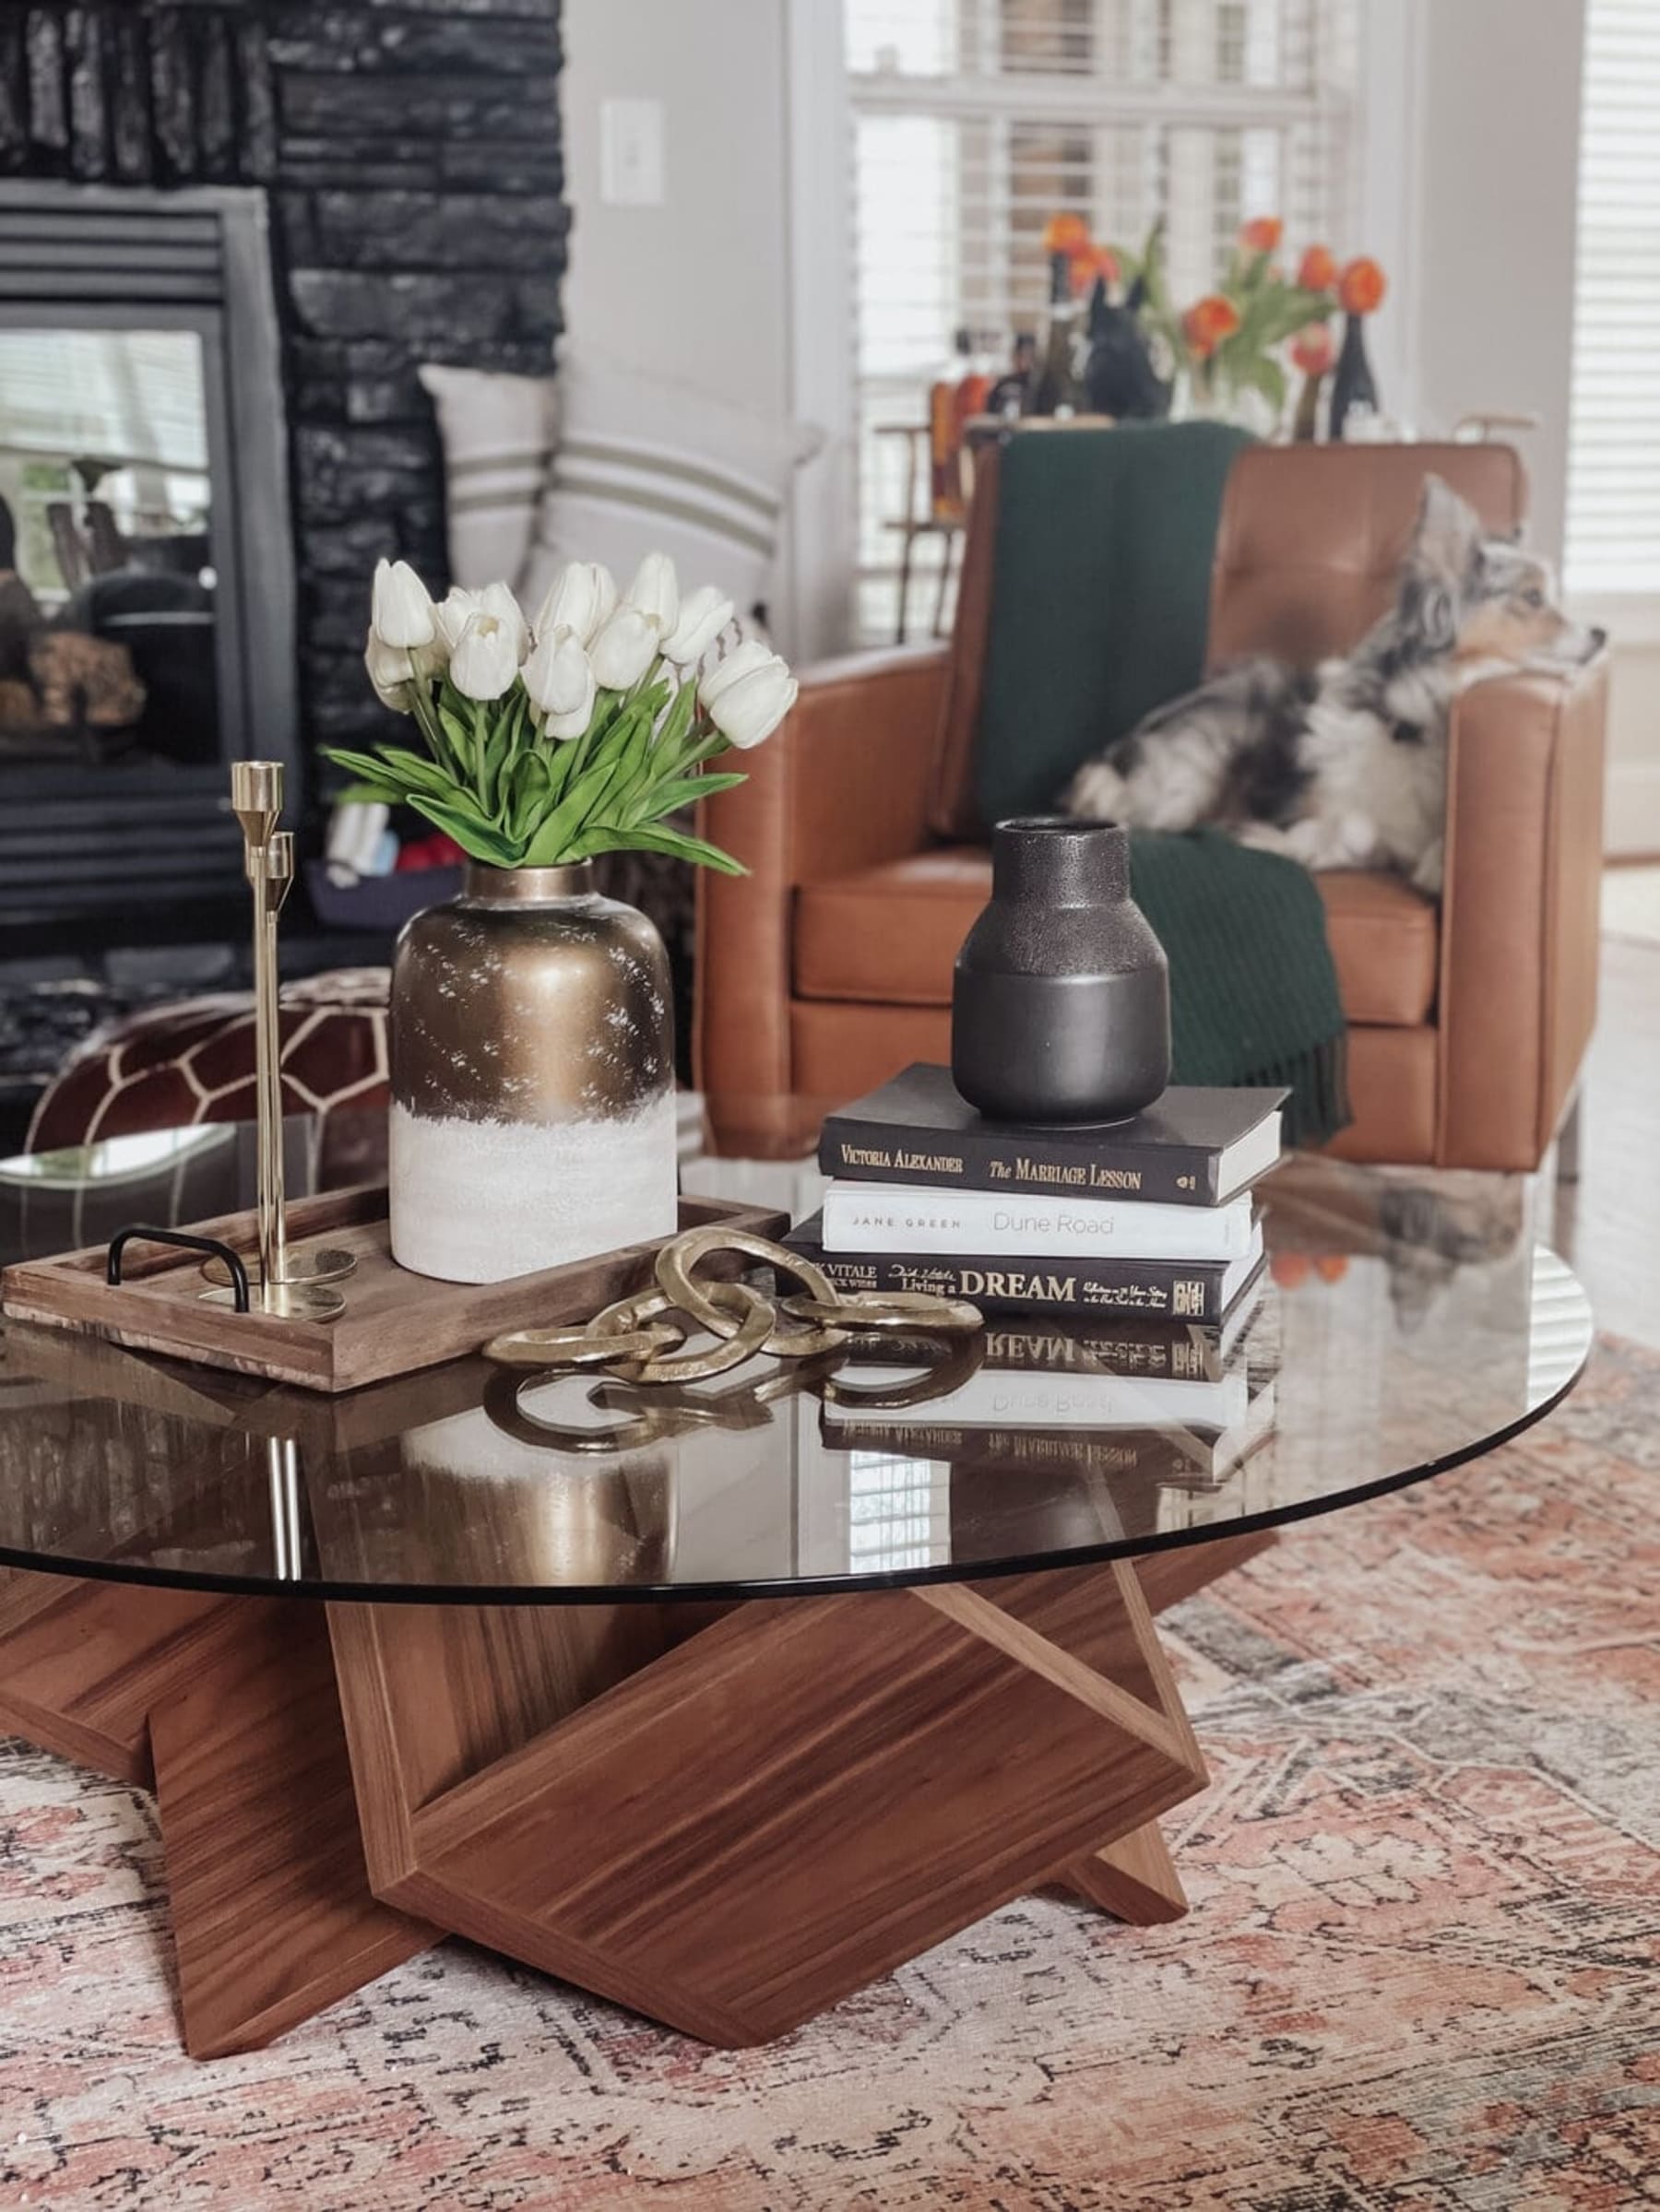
(1151, 1218)
(1121, 1267)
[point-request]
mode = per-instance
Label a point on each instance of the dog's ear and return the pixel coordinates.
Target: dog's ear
(1446, 540)
(1447, 536)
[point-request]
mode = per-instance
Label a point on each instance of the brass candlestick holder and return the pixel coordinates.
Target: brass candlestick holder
(290, 1283)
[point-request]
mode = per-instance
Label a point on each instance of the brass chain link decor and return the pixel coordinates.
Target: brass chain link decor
(642, 1338)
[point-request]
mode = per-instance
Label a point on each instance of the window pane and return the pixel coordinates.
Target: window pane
(1035, 107)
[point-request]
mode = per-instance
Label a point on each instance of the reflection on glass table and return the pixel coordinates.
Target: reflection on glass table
(1407, 1322)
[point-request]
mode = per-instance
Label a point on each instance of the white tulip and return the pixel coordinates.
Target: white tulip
(401, 609)
(655, 592)
(485, 662)
(624, 649)
(748, 695)
(560, 679)
(452, 616)
(495, 599)
(582, 597)
(703, 617)
(392, 671)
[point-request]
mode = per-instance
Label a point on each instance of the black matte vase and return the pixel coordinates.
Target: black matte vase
(1354, 388)
(1061, 1010)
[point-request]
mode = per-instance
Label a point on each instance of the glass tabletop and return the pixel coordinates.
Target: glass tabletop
(1407, 1322)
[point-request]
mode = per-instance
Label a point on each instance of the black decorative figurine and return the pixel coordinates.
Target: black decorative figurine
(1118, 376)
(1061, 1009)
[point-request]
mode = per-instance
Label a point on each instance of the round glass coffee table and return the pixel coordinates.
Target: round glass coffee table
(720, 1702)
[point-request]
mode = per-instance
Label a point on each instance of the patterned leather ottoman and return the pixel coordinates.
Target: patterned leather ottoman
(194, 1061)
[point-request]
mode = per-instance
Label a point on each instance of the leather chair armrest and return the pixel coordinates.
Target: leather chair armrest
(843, 785)
(1520, 920)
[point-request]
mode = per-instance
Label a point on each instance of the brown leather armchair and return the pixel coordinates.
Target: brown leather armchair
(829, 966)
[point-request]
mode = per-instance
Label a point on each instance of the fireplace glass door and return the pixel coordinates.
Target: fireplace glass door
(147, 582)
(109, 644)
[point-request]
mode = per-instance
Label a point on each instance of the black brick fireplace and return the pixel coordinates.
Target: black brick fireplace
(405, 157)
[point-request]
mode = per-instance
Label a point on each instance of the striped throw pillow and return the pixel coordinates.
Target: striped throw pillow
(497, 434)
(645, 465)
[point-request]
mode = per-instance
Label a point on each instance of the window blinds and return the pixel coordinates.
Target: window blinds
(1614, 440)
(976, 120)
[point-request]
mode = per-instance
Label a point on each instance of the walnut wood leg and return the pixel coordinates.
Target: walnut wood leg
(228, 1708)
(732, 1829)
(1134, 1879)
(81, 1663)
(1169, 1577)
(273, 1916)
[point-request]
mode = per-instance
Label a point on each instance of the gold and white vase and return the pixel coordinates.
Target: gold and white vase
(533, 1112)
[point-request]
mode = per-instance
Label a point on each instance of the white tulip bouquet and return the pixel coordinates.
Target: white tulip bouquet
(579, 733)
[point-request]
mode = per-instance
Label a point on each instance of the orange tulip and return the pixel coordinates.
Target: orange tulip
(1090, 262)
(1362, 287)
(1313, 349)
(1207, 323)
(1261, 235)
(1290, 1269)
(1065, 234)
(1331, 1267)
(1317, 271)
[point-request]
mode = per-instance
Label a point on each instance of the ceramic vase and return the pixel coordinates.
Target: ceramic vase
(1060, 1006)
(533, 1112)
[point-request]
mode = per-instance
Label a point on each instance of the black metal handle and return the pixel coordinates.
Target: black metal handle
(142, 1233)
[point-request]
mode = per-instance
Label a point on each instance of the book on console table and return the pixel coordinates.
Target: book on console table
(1192, 1147)
(898, 1217)
(1180, 1290)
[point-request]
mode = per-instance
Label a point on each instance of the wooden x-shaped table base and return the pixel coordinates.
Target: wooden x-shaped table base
(727, 1816)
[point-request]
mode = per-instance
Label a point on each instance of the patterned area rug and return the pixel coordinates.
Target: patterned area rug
(1419, 1974)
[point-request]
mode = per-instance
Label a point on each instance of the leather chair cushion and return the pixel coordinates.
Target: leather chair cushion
(888, 935)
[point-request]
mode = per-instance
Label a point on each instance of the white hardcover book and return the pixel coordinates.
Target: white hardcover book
(903, 1217)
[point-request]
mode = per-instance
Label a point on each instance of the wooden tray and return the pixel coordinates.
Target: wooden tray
(395, 1324)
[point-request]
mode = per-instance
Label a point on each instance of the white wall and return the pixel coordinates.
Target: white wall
(1469, 180)
(698, 287)
(701, 287)
(1486, 163)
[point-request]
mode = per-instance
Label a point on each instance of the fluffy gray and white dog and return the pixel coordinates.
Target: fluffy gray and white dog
(1345, 765)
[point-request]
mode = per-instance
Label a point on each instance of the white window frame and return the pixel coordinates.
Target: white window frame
(1383, 121)
(1631, 617)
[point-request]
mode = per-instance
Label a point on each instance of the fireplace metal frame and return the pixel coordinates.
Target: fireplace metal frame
(97, 256)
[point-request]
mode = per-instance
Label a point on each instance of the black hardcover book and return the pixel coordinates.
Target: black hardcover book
(1193, 1147)
(1174, 1290)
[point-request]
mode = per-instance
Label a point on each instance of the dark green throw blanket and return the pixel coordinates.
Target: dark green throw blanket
(1253, 996)
(1100, 593)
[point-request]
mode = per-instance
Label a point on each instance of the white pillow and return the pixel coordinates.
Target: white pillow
(643, 465)
(497, 433)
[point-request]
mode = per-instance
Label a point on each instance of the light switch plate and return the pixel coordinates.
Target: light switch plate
(630, 153)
